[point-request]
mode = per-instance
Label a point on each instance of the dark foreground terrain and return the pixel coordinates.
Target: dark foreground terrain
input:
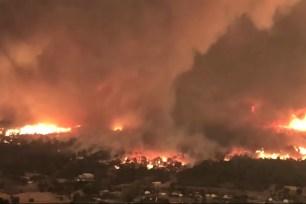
(49, 170)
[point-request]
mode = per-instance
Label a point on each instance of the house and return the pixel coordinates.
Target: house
(62, 180)
(291, 188)
(89, 177)
(156, 183)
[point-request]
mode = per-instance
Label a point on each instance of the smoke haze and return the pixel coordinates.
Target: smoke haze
(184, 74)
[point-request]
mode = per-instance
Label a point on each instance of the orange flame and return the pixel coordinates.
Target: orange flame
(41, 128)
(297, 123)
(117, 128)
(261, 154)
(296, 153)
(301, 150)
(294, 124)
(154, 160)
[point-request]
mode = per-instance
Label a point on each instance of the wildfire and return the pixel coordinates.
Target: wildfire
(301, 150)
(295, 153)
(41, 128)
(150, 166)
(117, 128)
(237, 152)
(294, 124)
(298, 124)
(154, 161)
(263, 155)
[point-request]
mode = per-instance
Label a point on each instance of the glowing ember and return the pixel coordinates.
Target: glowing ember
(42, 129)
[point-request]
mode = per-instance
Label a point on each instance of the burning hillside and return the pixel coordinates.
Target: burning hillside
(297, 124)
(155, 160)
(39, 129)
(295, 127)
(156, 76)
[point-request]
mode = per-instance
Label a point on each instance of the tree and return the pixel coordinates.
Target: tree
(299, 191)
(129, 194)
(15, 199)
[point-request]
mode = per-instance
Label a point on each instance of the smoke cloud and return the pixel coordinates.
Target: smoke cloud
(247, 67)
(178, 74)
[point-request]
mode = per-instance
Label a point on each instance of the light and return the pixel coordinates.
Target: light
(151, 159)
(41, 128)
(295, 126)
(150, 166)
(297, 123)
(301, 150)
(296, 153)
(10, 132)
(261, 154)
(253, 109)
(117, 128)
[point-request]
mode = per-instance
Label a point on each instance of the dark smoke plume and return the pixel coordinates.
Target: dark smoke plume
(157, 67)
(247, 67)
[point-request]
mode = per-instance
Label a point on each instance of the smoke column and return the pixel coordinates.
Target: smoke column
(175, 71)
